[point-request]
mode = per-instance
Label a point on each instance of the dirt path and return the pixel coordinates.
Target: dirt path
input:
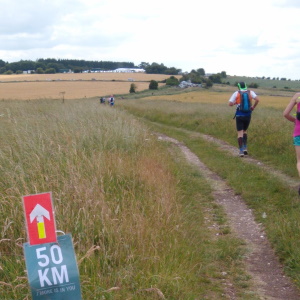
(291, 182)
(261, 262)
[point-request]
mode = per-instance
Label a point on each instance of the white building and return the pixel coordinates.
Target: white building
(129, 70)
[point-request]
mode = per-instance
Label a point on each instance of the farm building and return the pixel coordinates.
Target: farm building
(129, 70)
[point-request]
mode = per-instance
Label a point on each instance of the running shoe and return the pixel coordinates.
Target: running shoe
(245, 151)
(241, 154)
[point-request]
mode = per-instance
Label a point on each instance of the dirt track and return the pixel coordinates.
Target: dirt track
(261, 262)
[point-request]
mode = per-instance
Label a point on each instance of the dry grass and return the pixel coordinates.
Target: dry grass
(84, 76)
(215, 96)
(72, 86)
(66, 89)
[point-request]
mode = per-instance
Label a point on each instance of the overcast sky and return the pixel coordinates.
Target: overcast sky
(252, 38)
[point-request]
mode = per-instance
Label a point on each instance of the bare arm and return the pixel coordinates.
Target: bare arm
(256, 100)
(290, 106)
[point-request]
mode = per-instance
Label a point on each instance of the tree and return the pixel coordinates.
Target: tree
(173, 81)
(153, 85)
(132, 88)
(156, 68)
(40, 71)
(143, 65)
(201, 71)
(207, 83)
(253, 85)
(50, 71)
(2, 63)
(216, 78)
(223, 74)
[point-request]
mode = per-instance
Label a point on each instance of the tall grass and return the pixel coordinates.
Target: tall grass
(140, 222)
(269, 139)
(269, 134)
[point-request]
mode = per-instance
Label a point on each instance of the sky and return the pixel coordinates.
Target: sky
(243, 38)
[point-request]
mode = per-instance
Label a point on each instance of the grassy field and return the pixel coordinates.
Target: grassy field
(144, 225)
(266, 83)
(143, 222)
(269, 140)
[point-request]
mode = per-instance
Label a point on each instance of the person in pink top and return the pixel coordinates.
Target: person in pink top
(296, 133)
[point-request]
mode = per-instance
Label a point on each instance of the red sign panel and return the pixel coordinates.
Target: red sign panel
(39, 218)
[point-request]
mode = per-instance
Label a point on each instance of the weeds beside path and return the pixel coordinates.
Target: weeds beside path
(261, 261)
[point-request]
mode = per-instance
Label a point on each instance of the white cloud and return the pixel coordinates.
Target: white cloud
(257, 39)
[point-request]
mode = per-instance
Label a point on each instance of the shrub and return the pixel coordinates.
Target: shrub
(50, 71)
(253, 85)
(172, 81)
(153, 85)
(40, 71)
(132, 88)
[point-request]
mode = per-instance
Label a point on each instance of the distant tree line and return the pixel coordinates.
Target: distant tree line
(156, 68)
(52, 65)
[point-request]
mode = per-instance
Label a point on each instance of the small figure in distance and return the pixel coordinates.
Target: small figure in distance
(296, 120)
(243, 101)
(111, 100)
(102, 100)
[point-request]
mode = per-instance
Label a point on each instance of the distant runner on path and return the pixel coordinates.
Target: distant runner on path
(111, 100)
(296, 133)
(243, 101)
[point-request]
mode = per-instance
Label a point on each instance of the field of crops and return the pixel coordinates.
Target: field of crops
(71, 85)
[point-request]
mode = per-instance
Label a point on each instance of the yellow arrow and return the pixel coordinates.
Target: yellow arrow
(41, 230)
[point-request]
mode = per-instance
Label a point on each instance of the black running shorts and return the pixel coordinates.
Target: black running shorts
(242, 122)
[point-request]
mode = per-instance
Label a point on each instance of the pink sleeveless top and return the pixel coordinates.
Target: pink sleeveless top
(297, 123)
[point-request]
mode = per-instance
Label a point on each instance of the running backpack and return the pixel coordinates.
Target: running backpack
(244, 101)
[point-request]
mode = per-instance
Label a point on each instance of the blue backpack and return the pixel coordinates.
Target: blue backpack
(244, 101)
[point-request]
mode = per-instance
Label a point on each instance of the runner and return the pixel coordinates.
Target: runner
(243, 118)
(111, 100)
(296, 133)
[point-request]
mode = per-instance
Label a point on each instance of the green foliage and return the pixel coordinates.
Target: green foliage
(40, 71)
(216, 78)
(172, 81)
(153, 85)
(50, 71)
(58, 64)
(223, 74)
(201, 71)
(132, 88)
(253, 85)
(156, 68)
(208, 83)
(2, 63)
(193, 76)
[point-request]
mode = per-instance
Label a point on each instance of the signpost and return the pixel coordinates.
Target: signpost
(39, 217)
(51, 263)
(52, 270)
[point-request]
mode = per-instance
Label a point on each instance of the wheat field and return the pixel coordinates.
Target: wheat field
(72, 85)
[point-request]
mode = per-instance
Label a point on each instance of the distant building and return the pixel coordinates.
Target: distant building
(28, 72)
(129, 70)
(65, 71)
